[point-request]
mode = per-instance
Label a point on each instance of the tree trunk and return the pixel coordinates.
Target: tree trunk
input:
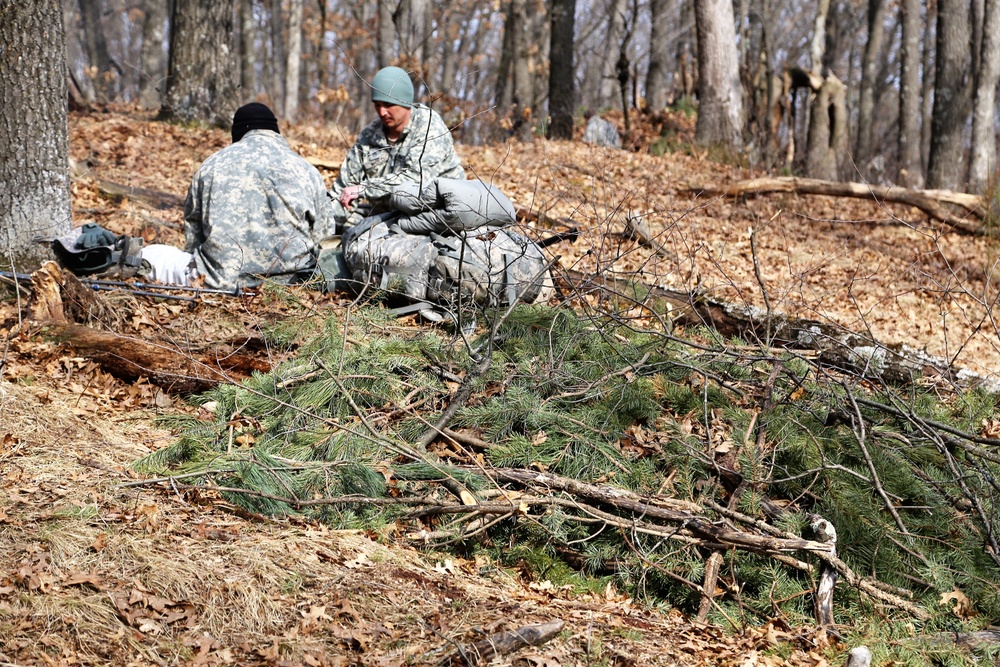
(248, 51)
(278, 59)
(910, 173)
(294, 59)
(927, 87)
(817, 45)
(952, 92)
(562, 93)
(523, 76)
(720, 97)
(154, 63)
(34, 132)
(863, 148)
(200, 81)
(503, 94)
(608, 90)
(97, 49)
(826, 142)
(656, 75)
(982, 166)
(385, 38)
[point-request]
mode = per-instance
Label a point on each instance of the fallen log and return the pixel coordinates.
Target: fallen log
(931, 202)
(174, 370)
(504, 643)
(61, 304)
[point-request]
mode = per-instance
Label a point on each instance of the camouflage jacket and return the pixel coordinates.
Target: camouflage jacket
(424, 152)
(255, 208)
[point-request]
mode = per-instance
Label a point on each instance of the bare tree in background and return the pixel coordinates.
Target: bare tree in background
(863, 148)
(34, 133)
(982, 165)
(910, 171)
(248, 50)
(656, 75)
(608, 91)
(200, 78)
(104, 71)
(720, 97)
(952, 95)
(154, 62)
(294, 61)
(562, 90)
(385, 41)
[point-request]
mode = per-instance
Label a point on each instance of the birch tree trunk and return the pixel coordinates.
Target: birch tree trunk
(911, 173)
(982, 165)
(720, 98)
(34, 132)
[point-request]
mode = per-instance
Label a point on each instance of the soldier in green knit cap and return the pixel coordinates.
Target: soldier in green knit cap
(408, 142)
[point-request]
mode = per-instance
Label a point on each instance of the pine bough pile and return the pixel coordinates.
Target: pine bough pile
(720, 478)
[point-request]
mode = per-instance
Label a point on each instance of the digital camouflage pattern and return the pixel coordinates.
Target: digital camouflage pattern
(255, 208)
(424, 152)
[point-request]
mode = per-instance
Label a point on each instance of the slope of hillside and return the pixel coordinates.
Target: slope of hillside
(102, 567)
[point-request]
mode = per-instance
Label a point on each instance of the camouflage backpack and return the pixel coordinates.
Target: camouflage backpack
(446, 245)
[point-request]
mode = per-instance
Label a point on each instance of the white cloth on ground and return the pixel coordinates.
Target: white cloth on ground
(166, 264)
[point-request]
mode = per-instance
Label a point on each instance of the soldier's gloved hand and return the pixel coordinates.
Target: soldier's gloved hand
(93, 235)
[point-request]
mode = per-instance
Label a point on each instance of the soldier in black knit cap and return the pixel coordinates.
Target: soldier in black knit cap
(255, 209)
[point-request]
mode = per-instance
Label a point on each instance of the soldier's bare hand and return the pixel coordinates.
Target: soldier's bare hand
(349, 194)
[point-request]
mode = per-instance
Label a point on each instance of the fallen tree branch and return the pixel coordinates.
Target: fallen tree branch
(503, 643)
(930, 202)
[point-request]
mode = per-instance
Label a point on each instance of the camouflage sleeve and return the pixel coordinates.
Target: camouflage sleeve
(194, 233)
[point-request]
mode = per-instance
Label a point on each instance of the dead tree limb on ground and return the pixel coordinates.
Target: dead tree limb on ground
(932, 202)
(504, 643)
(60, 303)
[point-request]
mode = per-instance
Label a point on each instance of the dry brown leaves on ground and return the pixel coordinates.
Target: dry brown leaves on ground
(93, 571)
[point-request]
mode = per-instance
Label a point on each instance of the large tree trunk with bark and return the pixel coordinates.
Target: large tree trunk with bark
(952, 92)
(34, 133)
(154, 62)
(720, 97)
(910, 170)
(982, 165)
(562, 93)
(200, 80)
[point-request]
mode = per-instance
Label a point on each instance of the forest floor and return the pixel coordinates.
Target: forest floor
(97, 567)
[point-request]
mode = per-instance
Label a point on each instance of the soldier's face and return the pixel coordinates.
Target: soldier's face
(394, 118)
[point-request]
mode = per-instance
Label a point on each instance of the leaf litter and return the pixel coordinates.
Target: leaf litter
(97, 572)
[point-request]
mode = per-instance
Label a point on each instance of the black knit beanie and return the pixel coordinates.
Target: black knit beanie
(253, 116)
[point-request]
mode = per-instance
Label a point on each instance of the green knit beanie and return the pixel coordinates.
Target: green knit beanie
(392, 85)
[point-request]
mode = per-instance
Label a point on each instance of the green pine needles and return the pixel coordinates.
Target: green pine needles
(761, 443)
